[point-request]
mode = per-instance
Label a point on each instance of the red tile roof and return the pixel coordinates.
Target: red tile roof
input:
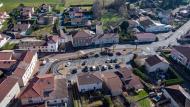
(87, 78)
(6, 55)
(83, 34)
(6, 86)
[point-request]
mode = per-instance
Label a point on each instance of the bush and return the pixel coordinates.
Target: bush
(141, 75)
(108, 102)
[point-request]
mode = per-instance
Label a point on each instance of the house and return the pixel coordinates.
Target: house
(181, 55)
(89, 81)
(51, 45)
(8, 61)
(108, 38)
(130, 80)
(46, 89)
(46, 20)
(155, 63)
(83, 38)
(21, 28)
(9, 91)
(150, 26)
(145, 37)
(177, 95)
(26, 68)
(26, 12)
(44, 8)
(113, 83)
(3, 40)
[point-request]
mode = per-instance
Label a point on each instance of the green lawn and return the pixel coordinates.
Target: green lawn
(11, 4)
(8, 46)
(109, 19)
(142, 103)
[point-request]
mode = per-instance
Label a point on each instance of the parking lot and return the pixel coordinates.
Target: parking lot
(95, 62)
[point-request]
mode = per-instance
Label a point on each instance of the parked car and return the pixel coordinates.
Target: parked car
(110, 54)
(108, 60)
(96, 55)
(110, 66)
(117, 66)
(67, 64)
(85, 69)
(83, 63)
(74, 71)
(118, 53)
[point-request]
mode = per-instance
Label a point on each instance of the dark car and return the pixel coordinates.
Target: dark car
(85, 69)
(84, 57)
(96, 55)
(83, 63)
(117, 66)
(110, 66)
(110, 54)
(118, 53)
(74, 71)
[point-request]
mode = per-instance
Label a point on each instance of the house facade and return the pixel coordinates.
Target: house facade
(109, 38)
(26, 67)
(155, 63)
(145, 37)
(9, 91)
(48, 89)
(181, 55)
(83, 38)
(88, 82)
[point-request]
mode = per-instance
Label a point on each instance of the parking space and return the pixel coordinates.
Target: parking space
(92, 63)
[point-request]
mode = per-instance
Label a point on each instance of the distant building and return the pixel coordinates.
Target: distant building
(155, 63)
(21, 28)
(145, 37)
(108, 38)
(181, 55)
(83, 38)
(152, 27)
(9, 91)
(48, 89)
(51, 45)
(45, 8)
(89, 81)
(46, 20)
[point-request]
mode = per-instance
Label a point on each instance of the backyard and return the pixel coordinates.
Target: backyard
(139, 99)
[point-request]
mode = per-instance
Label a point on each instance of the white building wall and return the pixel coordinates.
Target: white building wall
(3, 42)
(29, 70)
(12, 93)
(32, 100)
(160, 66)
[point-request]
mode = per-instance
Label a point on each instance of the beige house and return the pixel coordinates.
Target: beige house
(156, 63)
(48, 89)
(9, 90)
(89, 81)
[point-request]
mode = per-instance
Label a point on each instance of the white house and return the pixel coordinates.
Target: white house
(53, 43)
(181, 55)
(149, 25)
(108, 38)
(9, 90)
(3, 40)
(156, 63)
(89, 81)
(26, 67)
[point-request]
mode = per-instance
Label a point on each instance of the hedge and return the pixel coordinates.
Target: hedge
(177, 80)
(141, 75)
